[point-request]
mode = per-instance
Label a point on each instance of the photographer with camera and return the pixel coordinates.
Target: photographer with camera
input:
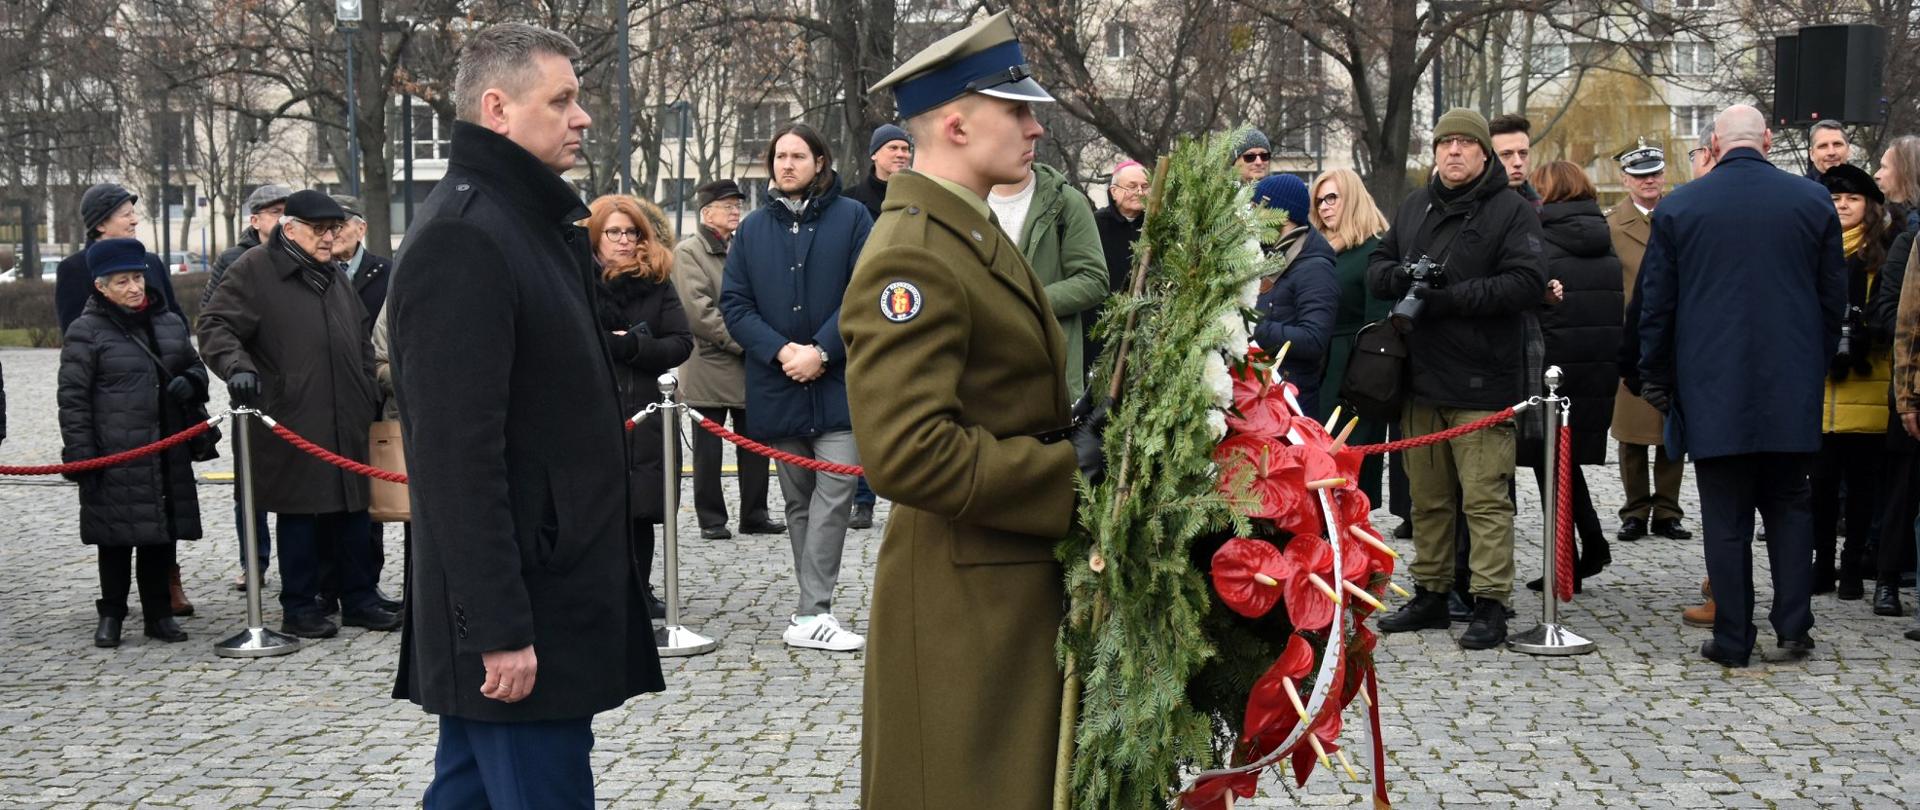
(1463, 261)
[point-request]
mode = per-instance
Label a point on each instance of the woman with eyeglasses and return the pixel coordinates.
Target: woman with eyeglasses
(648, 335)
(1346, 215)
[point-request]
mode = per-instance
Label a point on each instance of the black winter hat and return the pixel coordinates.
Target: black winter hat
(716, 191)
(1847, 178)
(108, 256)
(100, 201)
(308, 205)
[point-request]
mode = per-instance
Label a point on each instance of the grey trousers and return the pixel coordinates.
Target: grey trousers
(818, 508)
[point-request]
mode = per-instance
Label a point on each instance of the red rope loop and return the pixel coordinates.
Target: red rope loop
(757, 448)
(1563, 519)
(116, 459)
(333, 458)
(1434, 438)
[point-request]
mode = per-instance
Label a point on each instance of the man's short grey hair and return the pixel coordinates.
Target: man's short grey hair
(1740, 123)
(501, 56)
(1828, 123)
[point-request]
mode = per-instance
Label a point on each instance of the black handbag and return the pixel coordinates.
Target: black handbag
(1376, 383)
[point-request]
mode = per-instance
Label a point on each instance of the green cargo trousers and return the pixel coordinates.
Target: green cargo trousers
(1481, 465)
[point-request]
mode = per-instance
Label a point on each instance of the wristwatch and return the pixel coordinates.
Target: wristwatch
(823, 355)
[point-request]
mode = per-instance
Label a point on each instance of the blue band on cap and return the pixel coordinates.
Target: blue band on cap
(933, 88)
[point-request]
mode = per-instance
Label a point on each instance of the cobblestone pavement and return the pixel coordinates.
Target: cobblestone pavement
(1641, 723)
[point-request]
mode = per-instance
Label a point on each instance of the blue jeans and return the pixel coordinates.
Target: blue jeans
(863, 494)
(512, 766)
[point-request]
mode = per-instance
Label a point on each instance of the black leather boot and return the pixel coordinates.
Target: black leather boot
(165, 629)
(1886, 600)
(1489, 626)
(1426, 611)
(107, 634)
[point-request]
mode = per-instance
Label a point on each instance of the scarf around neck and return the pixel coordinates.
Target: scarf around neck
(1854, 238)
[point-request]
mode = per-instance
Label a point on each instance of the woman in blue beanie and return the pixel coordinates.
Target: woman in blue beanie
(1297, 305)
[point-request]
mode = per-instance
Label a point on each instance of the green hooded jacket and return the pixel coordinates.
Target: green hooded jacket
(1062, 244)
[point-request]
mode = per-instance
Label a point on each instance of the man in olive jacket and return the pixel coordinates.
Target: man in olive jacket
(285, 330)
(1057, 234)
(956, 370)
(524, 609)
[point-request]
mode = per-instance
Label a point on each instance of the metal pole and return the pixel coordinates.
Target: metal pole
(1549, 638)
(673, 640)
(624, 149)
(166, 178)
(680, 174)
(256, 641)
(353, 119)
(406, 158)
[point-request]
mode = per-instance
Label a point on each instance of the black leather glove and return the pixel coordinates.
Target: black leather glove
(1089, 441)
(1656, 395)
(244, 388)
(623, 347)
(182, 390)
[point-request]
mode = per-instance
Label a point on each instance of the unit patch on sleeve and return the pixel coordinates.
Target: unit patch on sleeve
(900, 302)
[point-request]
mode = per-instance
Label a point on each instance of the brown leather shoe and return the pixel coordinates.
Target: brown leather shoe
(1706, 588)
(1699, 615)
(181, 607)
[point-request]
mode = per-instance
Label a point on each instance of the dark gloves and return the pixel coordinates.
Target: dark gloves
(623, 347)
(182, 390)
(1089, 440)
(244, 388)
(1656, 395)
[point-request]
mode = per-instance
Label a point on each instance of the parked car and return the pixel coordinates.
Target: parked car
(8, 276)
(186, 262)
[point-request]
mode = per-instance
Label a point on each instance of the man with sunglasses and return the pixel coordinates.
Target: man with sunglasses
(1254, 157)
(287, 332)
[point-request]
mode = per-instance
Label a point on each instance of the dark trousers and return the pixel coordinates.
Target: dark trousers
(863, 494)
(1857, 461)
(709, 500)
(1896, 550)
(1662, 502)
(1731, 488)
(1399, 504)
(154, 571)
(306, 541)
(512, 766)
(1586, 521)
(263, 539)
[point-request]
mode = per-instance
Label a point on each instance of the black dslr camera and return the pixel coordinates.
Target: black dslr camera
(1426, 276)
(1853, 354)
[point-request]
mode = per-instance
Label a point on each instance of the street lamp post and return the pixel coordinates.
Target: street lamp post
(623, 151)
(347, 14)
(680, 109)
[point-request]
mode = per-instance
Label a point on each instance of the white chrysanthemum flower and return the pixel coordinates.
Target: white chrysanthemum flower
(1216, 423)
(1237, 339)
(1250, 294)
(1219, 380)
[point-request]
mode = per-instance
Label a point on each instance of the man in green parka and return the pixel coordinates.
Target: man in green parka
(1052, 222)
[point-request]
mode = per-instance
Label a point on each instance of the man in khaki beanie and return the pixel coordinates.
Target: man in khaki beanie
(1465, 339)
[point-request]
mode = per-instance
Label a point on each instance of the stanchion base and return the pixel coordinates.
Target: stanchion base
(674, 641)
(256, 642)
(1549, 639)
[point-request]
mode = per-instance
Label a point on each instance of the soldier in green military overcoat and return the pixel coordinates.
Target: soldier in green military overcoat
(956, 382)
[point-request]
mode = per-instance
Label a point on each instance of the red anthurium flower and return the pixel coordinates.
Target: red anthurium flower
(1356, 561)
(1272, 476)
(1326, 727)
(1211, 793)
(1310, 553)
(1239, 568)
(1354, 508)
(1349, 463)
(1258, 408)
(1270, 712)
(1309, 607)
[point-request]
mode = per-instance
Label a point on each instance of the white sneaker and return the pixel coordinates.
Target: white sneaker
(821, 632)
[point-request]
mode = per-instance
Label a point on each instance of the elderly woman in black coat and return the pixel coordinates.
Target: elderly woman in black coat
(129, 377)
(648, 335)
(1581, 326)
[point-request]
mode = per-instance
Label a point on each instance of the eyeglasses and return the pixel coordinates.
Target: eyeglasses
(1133, 188)
(1251, 157)
(730, 205)
(1462, 141)
(1327, 199)
(331, 228)
(623, 234)
(1694, 153)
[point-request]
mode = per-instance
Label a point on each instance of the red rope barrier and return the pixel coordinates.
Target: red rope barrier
(1434, 438)
(116, 459)
(1563, 519)
(333, 458)
(757, 448)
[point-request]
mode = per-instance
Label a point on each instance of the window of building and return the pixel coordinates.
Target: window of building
(675, 190)
(1692, 58)
(173, 132)
(1550, 58)
(1123, 40)
(431, 141)
(757, 123)
(1693, 4)
(673, 127)
(1690, 121)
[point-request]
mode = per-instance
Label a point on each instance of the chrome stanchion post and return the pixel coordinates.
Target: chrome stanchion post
(673, 639)
(256, 641)
(1550, 638)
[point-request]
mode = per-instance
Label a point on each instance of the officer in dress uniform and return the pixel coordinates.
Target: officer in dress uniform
(957, 386)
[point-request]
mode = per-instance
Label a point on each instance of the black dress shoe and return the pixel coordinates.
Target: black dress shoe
(108, 633)
(372, 618)
(716, 533)
(1671, 529)
(1631, 529)
(309, 627)
(1404, 531)
(164, 629)
(1850, 590)
(1712, 652)
(1579, 584)
(655, 608)
(386, 603)
(862, 516)
(1793, 649)
(763, 527)
(1488, 628)
(1886, 601)
(1427, 610)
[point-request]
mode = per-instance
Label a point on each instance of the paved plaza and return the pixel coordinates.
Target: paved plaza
(1643, 722)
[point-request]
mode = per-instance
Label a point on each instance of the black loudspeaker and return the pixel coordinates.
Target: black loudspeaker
(1786, 77)
(1837, 75)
